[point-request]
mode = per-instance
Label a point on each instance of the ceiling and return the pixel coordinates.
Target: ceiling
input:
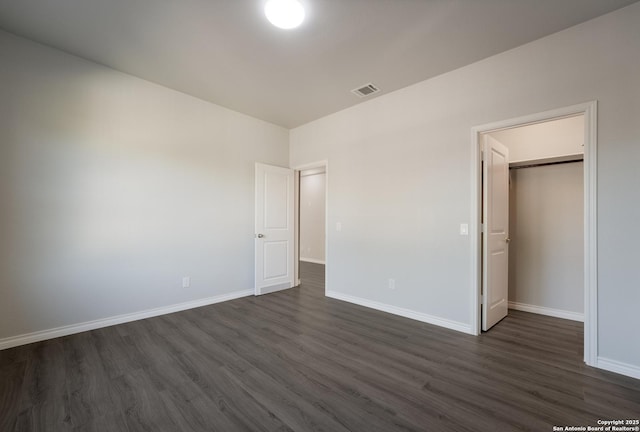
(225, 52)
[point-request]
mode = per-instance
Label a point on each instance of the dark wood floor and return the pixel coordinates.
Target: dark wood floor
(297, 361)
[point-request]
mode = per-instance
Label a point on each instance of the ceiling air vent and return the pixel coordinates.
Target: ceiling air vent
(366, 90)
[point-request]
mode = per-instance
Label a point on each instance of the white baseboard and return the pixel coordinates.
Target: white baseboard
(558, 313)
(407, 313)
(41, 335)
(618, 367)
(313, 260)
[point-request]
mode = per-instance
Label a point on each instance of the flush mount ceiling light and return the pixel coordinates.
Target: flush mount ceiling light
(285, 14)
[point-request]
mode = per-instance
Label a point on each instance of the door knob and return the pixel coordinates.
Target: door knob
(507, 240)
(260, 235)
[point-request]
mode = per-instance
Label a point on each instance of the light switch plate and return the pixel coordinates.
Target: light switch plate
(464, 229)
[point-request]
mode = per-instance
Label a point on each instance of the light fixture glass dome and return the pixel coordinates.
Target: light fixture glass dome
(285, 14)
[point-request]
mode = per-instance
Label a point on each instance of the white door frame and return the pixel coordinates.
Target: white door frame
(318, 164)
(589, 110)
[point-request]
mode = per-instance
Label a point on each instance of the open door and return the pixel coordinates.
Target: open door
(274, 229)
(495, 248)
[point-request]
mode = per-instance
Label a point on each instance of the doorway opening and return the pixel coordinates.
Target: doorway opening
(485, 238)
(311, 223)
(546, 190)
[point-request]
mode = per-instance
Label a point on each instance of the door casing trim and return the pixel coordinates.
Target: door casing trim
(589, 110)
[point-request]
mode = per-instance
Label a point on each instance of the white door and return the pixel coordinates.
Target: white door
(274, 230)
(495, 251)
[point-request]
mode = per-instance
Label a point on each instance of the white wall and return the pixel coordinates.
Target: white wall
(551, 139)
(546, 226)
(312, 217)
(114, 188)
(400, 183)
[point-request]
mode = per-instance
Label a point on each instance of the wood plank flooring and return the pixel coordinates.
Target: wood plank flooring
(297, 361)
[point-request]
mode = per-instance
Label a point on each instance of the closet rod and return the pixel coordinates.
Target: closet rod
(545, 164)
